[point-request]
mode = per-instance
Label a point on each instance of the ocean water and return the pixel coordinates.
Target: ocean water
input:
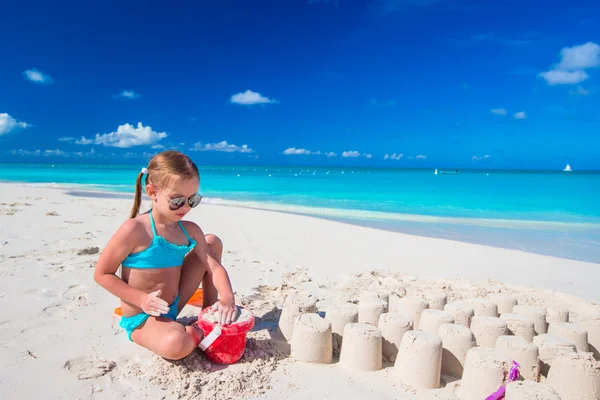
(553, 213)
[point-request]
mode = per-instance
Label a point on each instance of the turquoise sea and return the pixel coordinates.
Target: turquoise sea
(553, 213)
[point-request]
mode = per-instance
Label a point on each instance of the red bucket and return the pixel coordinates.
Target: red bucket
(230, 345)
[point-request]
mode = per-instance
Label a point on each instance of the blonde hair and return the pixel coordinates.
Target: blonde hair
(163, 169)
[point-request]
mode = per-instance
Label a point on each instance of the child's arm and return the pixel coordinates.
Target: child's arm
(118, 248)
(226, 303)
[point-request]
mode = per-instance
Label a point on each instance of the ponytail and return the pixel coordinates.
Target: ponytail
(138, 196)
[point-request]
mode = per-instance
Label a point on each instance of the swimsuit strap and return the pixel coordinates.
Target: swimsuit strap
(185, 232)
(152, 224)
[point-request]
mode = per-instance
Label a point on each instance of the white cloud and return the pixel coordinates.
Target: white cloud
(520, 115)
(580, 91)
(331, 154)
(559, 77)
(221, 146)
(67, 139)
(421, 157)
(580, 57)
(127, 94)
(8, 124)
(126, 136)
(350, 154)
(393, 156)
(478, 158)
(573, 63)
(498, 111)
(249, 98)
(45, 153)
(158, 146)
(368, 155)
(36, 76)
(295, 151)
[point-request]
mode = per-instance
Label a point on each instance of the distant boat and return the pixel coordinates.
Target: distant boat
(567, 168)
(435, 173)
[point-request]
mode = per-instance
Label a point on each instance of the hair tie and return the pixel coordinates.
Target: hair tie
(145, 171)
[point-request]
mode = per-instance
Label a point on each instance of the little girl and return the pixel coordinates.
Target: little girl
(164, 259)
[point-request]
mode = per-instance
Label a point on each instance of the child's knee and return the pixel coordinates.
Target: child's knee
(215, 244)
(176, 345)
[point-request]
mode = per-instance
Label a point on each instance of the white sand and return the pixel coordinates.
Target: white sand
(58, 330)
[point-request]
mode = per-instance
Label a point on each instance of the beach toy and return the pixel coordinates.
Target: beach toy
(512, 377)
(228, 342)
(195, 300)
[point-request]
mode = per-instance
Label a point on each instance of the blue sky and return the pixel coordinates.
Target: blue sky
(429, 83)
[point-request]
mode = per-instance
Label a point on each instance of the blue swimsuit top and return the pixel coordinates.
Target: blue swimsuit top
(161, 253)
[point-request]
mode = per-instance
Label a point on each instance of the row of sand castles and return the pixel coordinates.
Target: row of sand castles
(474, 340)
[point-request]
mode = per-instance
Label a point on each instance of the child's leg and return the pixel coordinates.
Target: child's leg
(167, 338)
(192, 274)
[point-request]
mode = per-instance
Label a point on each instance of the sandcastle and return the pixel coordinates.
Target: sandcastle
(393, 326)
(466, 340)
(293, 306)
(370, 309)
(550, 348)
(487, 330)
(536, 314)
(505, 302)
(457, 340)
(362, 347)
(461, 311)
(574, 333)
(519, 325)
(340, 315)
(410, 306)
(557, 314)
(485, 370)
(591, 322)
(525, 353)
(528, 390)
(419, 360)
(484, 307)
(575, 376)
(311, 339)
(432, 319)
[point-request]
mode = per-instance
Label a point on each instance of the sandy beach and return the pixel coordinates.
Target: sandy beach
(61, 340)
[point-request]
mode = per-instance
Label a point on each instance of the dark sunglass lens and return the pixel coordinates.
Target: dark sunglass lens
(195, 200)
(177, 203)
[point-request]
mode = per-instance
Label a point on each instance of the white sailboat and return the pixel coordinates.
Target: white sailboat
(435, 173)
(567, 168)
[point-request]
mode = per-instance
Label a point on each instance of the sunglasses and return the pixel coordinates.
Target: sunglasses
(178, 202)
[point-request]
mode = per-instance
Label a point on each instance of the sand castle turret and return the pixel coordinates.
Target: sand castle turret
(550, 348)
(487, 330)
(505, 302)
(293, 306)
(485, 370)
(340, 315)
(484, 307)
(432, 319)
(523, 352)
(410, 306)
(461, 311)
(393, 326)
(419, 360)
(311, 339)
(362, 347)
(571, 332)
(575, 376)
(457, 340)
(536, 314)
(519, 325)
(528, 390)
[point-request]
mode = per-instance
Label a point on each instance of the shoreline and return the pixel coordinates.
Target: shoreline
(510, 234)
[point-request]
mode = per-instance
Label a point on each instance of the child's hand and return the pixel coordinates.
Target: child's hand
(153, 305)
(227, 311)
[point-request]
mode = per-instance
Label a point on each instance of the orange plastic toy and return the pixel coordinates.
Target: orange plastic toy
(195, 300)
